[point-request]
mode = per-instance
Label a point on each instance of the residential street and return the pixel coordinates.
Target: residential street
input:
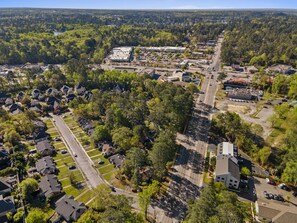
(82, 160)
(187, 177)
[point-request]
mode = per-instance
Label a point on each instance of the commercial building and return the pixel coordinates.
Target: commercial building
(121, 54)
(225, 148)
(227, 171)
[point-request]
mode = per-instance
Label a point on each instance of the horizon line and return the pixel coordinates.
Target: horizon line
(152, 9)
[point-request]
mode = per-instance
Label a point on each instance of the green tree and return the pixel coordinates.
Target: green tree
(163, 151)
(123, 137)
(36, 215)
(245, 171)
(18, 217)
(147, 194)
(290, 172)
(264, 154)
(27, 187)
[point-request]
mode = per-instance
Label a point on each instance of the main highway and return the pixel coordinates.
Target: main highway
(186, 179)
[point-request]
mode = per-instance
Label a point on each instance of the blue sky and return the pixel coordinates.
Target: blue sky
(151, 4)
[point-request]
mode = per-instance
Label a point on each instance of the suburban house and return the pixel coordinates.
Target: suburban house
(39, 135)
(107, 150)
(35, 93)
(20, 95)
(6, 205)
(252, 69)
(79, 89)
(280, 68)
(117, 160)
(4, 158)
(5, 188)
(52, 92)
(227, 171)
(3, 97)
(44, 148)
(46, 165)
(69, 209)
(146, 173)
(50, 186)
(226, 148)
(65, 89)
(182, 76)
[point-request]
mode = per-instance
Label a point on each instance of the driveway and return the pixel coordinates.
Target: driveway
(84, 162)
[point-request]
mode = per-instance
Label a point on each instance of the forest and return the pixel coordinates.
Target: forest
(261, 42)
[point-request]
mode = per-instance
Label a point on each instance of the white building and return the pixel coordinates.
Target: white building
(227, 171)
(121, 54)
(225, 148)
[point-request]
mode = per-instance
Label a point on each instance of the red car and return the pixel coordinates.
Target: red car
(269, 181)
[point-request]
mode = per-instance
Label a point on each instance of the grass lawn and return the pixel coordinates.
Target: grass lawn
(66, 181)
(49, 123)
(60, 156)
(59, 145)
(63, 172)
(87, 196)
(118, 184)
(106, 169)
(74, 191)
(66, 160)
(109, 176)
(94, 152)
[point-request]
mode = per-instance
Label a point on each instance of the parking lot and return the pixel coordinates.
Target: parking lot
(270, 208)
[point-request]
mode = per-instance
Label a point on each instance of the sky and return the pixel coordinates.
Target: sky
(151, 4)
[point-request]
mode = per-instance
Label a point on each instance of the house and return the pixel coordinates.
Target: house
(52, 92)
(46, 165)
(79, 89)
(14, 109)
(35, 93)
(117, 160)
(3, 97)
(236, 67)
(70, 97)
(236, 83)
(4, 158)
(88, 95)
(69, 209)
(44, 148)
(225, 148)
(182, 76)
(50, 186)
(20, 95)
(6, 205)
(8, 101)
(65, 90)
(107, 150)
(146, 173)
(5, 188)
(39, 135)
(252, 69)
(280, 68)
(227, 171)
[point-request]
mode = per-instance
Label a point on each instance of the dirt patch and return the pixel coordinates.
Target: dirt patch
(238, 108)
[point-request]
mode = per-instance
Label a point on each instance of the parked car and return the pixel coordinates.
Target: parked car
(278, 197)
(100, 161)
(72, 167)
(270, 181)
(268, 195)
(112, 188)
(74, 154)
(64, 151)
(57, 139)
(284, 187)
(294, 193)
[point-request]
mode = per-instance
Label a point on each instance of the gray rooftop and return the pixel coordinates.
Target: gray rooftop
(45, 163)
(44, 147)
(69, 208)
(226, 165)
(49, 185)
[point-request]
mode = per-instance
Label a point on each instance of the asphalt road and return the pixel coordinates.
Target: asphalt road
(82, 160)
(187, 177)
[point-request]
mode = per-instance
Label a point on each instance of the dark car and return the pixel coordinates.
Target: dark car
(100, 161)
(284, 187)
(57, 139)
(278, 197)
(72, 167)
(112, 188)
(294, 193)
(63, 151)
